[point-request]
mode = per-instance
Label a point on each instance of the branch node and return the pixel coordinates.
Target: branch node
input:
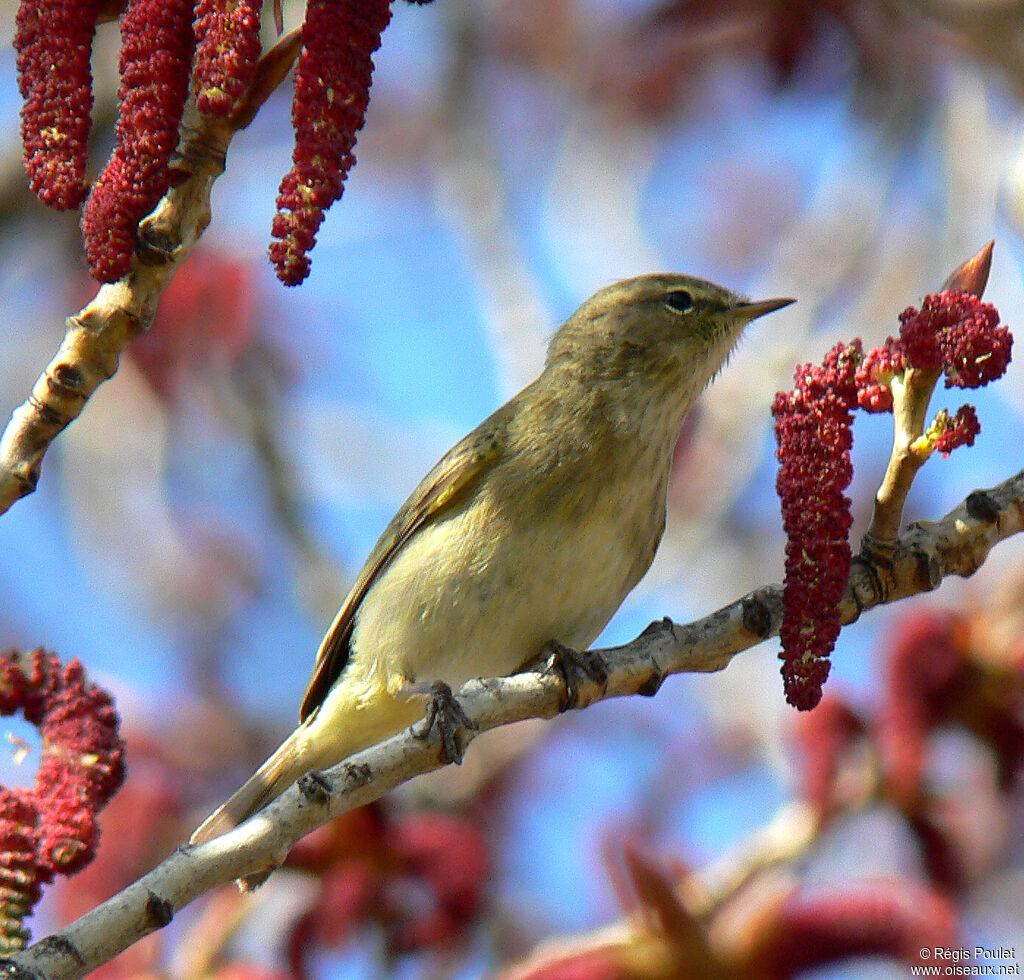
(14, 971)
(68, 378)
(316, 788)
(156, 245)
(659, 626)
(981, 507)
(48, 415)
(879, 552)
(865, 586)
(201, 146)
(59, 945)
(929, 566)
(756, 617)
(79, 321)
(26, 478)
(356, 776)
(652, 685)
(575, 669)
(159, 911)
(934, 570)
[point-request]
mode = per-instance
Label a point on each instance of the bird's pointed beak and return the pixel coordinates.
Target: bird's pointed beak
(753, 310)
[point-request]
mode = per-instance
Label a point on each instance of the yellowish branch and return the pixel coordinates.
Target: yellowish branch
(98, 334)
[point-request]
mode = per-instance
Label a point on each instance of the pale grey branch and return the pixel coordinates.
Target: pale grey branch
(928, 551)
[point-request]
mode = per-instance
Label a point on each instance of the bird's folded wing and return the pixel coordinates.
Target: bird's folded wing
(441, 487)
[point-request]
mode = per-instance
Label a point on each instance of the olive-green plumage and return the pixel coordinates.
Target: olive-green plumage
(532, 529)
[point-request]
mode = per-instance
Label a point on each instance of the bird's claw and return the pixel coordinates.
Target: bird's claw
(574, 668)
(446, 715)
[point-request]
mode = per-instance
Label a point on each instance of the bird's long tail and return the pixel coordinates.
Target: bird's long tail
(348, 721)
(285, 766)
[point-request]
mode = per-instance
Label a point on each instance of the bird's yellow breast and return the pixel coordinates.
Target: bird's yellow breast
(481, 592)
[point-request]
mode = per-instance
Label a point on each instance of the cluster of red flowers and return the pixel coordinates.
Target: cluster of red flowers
(51, 829)
(420, 876)
(936, 677)
(954, 332)
(166, 45)
(957, 333)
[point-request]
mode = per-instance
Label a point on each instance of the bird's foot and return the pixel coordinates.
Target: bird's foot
(446, 715)
(575, 668)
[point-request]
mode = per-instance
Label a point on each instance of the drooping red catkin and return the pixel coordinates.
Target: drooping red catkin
(925, 671)
(332, 91)
(53, 40)
(156, 57)
(227, 51)
(20, 884)
(51, 829)
(813, 428)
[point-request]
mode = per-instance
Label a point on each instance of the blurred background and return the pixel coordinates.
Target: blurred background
(195, 530)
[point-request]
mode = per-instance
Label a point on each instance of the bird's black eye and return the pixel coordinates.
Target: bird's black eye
(679, 300)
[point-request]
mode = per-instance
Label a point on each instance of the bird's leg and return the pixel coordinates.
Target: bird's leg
(574, 668)
(446, 715)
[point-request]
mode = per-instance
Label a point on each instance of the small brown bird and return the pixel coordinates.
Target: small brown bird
(531, 530)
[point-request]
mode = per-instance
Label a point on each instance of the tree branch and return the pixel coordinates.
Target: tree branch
(928, 551)
(98, 334)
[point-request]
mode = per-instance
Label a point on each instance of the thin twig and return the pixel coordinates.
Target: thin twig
(911, 396)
